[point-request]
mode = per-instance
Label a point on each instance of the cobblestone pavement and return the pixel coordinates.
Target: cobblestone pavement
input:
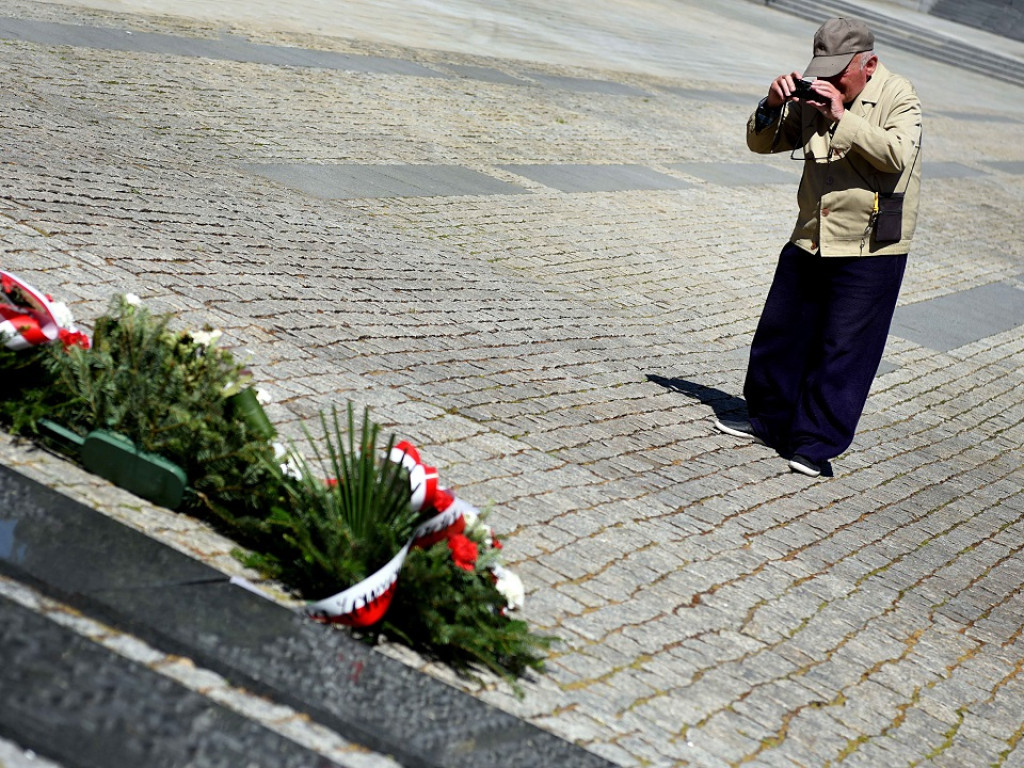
(560, 355)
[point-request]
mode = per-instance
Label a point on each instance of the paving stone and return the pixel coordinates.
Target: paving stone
(596, 178)
(1007, 166)
(950, 170)
(736, 173)
(367, 181)
(970, 315)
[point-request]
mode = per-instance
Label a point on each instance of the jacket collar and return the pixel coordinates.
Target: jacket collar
(873, 90)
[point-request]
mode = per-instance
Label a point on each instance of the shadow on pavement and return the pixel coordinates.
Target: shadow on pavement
(722, 403)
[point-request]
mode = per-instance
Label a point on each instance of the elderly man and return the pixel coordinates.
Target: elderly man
(825, 321)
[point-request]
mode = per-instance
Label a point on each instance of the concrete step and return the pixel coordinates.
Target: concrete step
(909, 37)
(1001, 17)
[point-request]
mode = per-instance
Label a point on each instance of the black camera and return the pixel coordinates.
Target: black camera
(804, 92)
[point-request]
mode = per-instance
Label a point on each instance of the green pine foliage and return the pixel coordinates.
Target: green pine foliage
(165, 392)
(25, 386)
(457, 617)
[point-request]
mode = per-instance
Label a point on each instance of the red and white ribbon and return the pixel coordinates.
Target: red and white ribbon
(423, 481)
(405, 453)
(365, 603)
(29, 317)
(448, 521)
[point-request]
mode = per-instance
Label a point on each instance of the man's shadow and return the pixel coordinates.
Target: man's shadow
(724, 405)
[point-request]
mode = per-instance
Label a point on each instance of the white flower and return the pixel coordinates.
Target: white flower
(132, 300)
(471, 514)
(476, 528)
(510, 587)
(205, 338)
(289, 467)
(263, 398)
(61, 314)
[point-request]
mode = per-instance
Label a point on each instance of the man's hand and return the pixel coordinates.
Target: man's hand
(832, 108)
(783, 89)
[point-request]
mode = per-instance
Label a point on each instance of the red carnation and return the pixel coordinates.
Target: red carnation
(73, 338)
(464, 551)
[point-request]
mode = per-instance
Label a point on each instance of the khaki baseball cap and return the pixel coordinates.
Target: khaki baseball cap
(836, 42)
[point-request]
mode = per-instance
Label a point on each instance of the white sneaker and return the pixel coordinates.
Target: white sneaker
(804, 466)
(736, 428)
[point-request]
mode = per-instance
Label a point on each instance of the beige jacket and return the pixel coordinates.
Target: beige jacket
(875, 148)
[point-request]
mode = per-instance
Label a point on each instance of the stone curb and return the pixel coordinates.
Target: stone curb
(184, 607)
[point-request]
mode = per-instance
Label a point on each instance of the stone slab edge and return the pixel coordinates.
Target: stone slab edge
(183, 607)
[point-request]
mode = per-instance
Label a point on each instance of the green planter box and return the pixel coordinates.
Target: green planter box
(116, 458)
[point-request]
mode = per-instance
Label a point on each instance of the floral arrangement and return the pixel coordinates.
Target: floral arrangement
(434, 579)
(413, 562)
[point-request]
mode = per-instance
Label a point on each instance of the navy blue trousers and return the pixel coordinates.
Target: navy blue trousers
(817, 348)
